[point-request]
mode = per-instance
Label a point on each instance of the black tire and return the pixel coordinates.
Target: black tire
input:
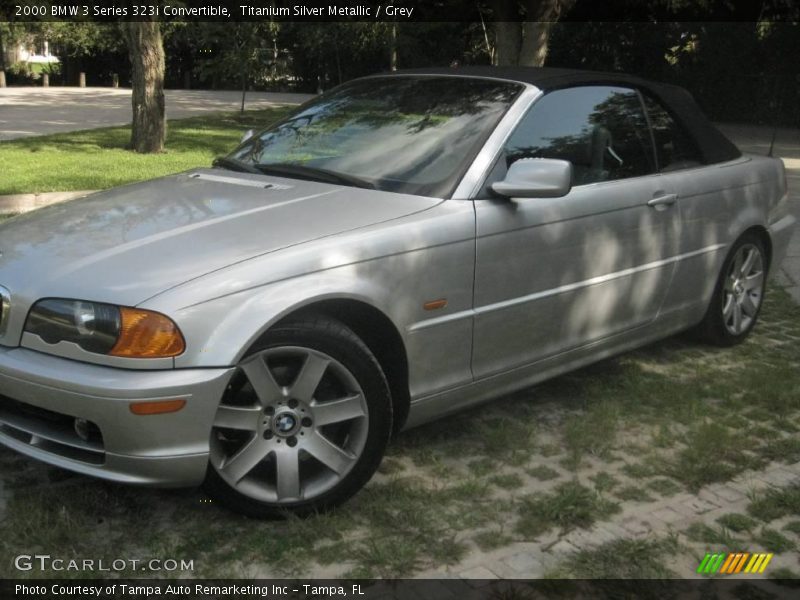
(318, 336)
(718, 327)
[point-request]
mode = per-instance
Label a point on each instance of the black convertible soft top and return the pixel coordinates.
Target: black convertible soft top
(713, 145)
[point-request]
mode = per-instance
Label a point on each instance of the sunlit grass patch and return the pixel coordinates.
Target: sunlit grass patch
(737, 522)
(621, 559)
(98, 158)
(785, 450)
(716, 536)
(593, 431)
(491, 540)
(638, 470)
(775, 503)
(664, 486)
(604, 482)
(506, 481)
(793, 526)
(712, 453)
(568, 506)
(632, 493)
(543, 473)
(774, 541)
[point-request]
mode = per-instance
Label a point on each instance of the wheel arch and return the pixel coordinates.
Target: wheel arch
(763, 235)
(380, 335)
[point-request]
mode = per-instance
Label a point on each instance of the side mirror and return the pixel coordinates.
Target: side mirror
(247, 135)
(536, 178)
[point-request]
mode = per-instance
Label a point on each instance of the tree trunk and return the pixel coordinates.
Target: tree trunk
(535, 36)
(508, 35)
(507, 32)
(244, 86)
(393, 47)
(2, 62)
(146, 50)
(525, 42)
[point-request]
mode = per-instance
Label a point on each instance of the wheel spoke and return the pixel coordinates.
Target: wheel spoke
(727, 310)
(337, 411)
(747, 265)
(737, 263)
(748, 306)
(244, 461)
(330, 455)
(237, 417)
(754, 282)
(309, 377)
(288, 474)
(264, 384)
(737, 317)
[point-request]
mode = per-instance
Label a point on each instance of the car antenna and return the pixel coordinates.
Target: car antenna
(776, 112)
(772, 142)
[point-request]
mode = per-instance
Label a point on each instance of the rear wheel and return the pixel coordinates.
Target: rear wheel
(738, 295)
(303, 424)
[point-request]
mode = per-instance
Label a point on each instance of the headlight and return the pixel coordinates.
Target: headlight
(105, 328)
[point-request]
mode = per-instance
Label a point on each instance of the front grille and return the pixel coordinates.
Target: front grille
(50, 431)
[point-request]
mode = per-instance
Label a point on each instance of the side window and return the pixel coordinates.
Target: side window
(674, 148)
(601, 130)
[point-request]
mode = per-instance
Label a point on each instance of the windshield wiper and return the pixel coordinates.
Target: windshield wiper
(234, 165)
(314, 173)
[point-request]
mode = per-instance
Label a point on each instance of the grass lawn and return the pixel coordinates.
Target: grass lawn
(555, 459)
(96, 158)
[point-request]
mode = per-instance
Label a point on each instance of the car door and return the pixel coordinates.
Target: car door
(705, 205)
(554, 274)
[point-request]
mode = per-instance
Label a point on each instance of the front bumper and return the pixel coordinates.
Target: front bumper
(41, 395)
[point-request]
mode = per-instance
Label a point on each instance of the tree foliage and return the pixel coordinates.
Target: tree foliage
(740, 60)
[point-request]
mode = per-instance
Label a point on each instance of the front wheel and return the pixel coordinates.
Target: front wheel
(738, 295)
(303, 424)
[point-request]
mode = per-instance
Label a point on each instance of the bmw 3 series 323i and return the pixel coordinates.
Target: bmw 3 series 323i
(397, 249)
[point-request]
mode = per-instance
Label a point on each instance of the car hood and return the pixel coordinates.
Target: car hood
(125, 245)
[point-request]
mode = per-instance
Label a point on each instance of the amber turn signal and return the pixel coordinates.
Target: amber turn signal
(147, 334)
(157, 407)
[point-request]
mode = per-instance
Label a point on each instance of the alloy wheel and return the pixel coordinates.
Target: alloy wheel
(292, 424)
(743, 290)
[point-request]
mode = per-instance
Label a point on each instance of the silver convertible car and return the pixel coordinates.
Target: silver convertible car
(397, 249)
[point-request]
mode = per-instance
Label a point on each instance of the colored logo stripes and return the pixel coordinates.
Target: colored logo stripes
(734, 562)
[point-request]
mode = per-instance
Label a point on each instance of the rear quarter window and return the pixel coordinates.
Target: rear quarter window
(675, 148)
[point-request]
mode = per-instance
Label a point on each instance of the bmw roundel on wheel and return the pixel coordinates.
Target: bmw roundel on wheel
(394, 250)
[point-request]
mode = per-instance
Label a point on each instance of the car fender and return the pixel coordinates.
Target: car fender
(220, 331)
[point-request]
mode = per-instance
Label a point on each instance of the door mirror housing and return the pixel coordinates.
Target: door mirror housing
(536, 178)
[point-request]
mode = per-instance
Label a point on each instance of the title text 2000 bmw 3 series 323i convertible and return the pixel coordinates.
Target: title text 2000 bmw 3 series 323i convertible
(399, 248)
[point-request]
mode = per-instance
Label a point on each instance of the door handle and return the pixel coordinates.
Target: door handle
(663, 201)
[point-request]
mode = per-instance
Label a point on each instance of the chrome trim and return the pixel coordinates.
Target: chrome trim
(479, 169)
(5, 309)
(267, 185)
(559, 290)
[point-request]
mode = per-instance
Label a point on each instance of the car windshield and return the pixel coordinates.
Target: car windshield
(406, 134)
